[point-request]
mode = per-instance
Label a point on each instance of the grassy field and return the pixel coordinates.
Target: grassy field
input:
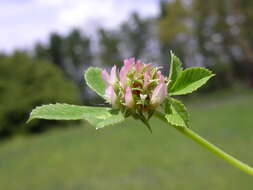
(127, 156)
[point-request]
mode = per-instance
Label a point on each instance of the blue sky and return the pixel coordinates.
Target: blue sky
(23, 22)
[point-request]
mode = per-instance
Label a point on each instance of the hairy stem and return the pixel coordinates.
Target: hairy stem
(194, 136)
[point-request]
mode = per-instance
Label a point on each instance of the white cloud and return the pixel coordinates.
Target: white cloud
(24, 22)
(50, 2)
(81, 11)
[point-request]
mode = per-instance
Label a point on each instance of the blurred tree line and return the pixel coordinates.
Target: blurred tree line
(215, 34)
(26, 83)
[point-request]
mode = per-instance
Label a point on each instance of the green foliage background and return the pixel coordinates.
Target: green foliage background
(25, 83)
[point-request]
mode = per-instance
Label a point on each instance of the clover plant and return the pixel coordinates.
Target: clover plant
(140, 91)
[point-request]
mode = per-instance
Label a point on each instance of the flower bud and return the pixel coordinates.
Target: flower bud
(106, 76)
(110, 95)
(138, 66)
(128, 63)
(159, 94)
(146, 79)
(129, 101)
(112, 78)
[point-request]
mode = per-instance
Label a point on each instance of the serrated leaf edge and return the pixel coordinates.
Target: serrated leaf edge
(51, 104)
(172, 55)
(196, 68)
(188, 115)
(98, 126)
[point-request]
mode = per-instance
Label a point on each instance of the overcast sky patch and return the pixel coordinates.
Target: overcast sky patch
(23, 22)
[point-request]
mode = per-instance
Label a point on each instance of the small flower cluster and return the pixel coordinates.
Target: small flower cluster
(136, 88)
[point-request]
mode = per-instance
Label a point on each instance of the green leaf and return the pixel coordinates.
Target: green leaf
(97, 116)
(177, 114)
(167, 106)
(175, 69)
(94, 80)
(190, 80)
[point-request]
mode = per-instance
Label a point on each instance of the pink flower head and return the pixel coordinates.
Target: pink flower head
(138, 87)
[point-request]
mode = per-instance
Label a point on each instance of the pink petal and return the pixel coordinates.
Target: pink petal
(129, 98)
(159, 94)
(146, 79)
(110, 95)
(128, 63)
(113, 76)
(106, 76)
(138, 66)
(158, 73)
(160, 76)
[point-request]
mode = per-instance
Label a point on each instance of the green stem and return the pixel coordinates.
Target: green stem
(194, 136)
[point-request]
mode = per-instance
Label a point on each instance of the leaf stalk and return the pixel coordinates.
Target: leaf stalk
(198, 139)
